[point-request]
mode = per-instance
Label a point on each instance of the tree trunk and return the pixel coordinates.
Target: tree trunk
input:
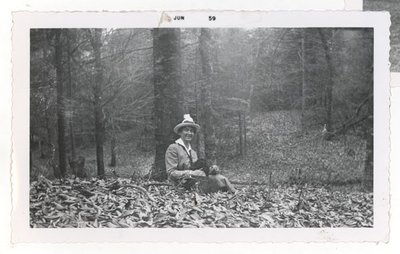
(244, 134)
(60, 106)
(328, 49)
(206, 102)
(113, 161)
(71, 111)
(240, 134)
(368, 179)
(167, 93)
(30, 156)
(200, 135)
(303, 83)
(98, 93)
(41, 152)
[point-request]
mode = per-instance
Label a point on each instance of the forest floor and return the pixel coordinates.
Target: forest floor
(280, 152)
(116, 203)
(288, 178)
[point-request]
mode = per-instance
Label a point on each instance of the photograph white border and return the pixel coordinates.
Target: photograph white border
(23, 21)
(395, 79)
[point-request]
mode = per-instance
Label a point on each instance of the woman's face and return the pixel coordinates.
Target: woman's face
(187, 133)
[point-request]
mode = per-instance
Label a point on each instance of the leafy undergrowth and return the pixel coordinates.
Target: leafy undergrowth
(119, 203)
(278, 151)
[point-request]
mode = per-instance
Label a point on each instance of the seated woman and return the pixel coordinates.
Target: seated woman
(180, 158)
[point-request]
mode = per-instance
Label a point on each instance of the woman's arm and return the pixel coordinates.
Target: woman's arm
(171, 163)
(197, 172)
(171, 159)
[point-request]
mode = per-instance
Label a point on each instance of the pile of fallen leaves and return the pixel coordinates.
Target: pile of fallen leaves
(120, 203)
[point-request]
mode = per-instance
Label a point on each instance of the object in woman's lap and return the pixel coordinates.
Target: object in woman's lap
(212, 182)
(199, 164)
(202, 165)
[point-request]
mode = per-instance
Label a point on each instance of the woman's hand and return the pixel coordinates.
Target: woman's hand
(181, 174)
(185, 174)
(197, 173)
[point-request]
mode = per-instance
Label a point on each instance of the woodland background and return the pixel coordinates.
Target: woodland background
(278, 107)
(393, 7)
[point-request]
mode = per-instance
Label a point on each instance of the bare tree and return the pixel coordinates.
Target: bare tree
(167, 93)
(70, 96)
(95, 38)
(206, 102)
(303, 79)
(328, 49)
(113, 148)
(60, 104)
(368, 179)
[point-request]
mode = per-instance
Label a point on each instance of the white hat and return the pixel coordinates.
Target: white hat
(187, 121)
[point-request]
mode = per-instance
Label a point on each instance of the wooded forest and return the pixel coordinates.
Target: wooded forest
(286, 113)
(393, 7)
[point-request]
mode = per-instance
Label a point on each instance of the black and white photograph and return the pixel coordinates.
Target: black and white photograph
(170, 127)
(208, 127)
